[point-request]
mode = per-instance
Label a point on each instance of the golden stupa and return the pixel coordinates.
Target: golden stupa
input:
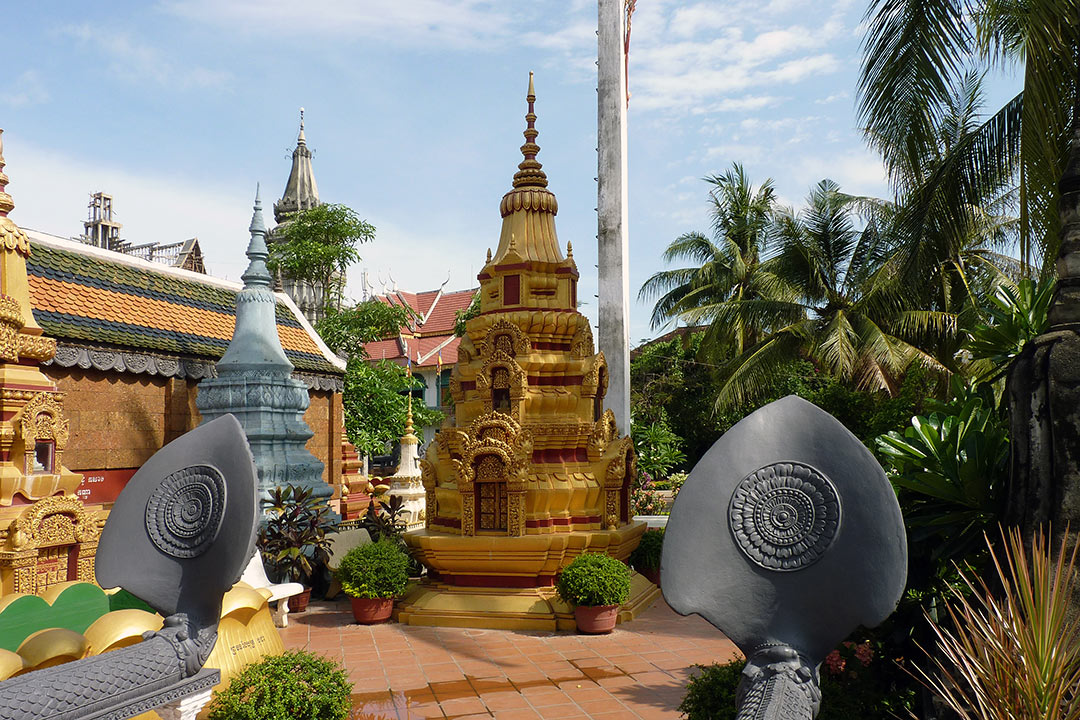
(530, 471)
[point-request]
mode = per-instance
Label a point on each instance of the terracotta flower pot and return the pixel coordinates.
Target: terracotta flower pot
(299, 603)
(651, 574)
(597, 619)
(368, 611)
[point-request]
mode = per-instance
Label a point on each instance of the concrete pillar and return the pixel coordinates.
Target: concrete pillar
(612, 209)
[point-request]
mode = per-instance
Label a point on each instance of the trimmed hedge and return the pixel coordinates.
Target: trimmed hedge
(374, 570)
(595, 579)
(298, 685)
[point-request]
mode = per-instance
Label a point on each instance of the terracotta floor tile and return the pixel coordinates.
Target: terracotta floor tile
(638, 671)
(505, 701)
(463, 706)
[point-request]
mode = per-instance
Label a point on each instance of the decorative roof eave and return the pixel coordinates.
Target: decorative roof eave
(108, 359)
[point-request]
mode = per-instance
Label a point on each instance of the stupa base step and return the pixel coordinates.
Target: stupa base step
(438, 605)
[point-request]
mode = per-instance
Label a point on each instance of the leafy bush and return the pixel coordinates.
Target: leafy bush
(374, 570)
(646, 555)
(853, 685)
(658, 448)
(710, 695)
(951, 468)
(293, 540)
(595, 579)
(298, 685)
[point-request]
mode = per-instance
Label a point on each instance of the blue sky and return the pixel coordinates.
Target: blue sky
(415, 110)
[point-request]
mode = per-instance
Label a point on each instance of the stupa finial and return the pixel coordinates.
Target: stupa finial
(530, 172)
(257, 273)
(6, 203)
(300, 139)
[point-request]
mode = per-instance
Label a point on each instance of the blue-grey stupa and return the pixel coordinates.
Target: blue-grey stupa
(255, 382)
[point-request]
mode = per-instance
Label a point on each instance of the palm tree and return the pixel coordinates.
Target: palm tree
(844, 310)
(916, 54)
(726, 269)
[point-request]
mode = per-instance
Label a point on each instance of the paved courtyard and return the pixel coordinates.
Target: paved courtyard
(401, 672)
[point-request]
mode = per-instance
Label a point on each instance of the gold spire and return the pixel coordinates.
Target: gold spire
(6, 203)
(530, 173)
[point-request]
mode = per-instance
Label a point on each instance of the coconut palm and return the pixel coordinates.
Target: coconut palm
(725, 270)
(844, 307)
(918, 51)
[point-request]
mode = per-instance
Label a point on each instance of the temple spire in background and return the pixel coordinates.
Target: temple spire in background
(301, 192)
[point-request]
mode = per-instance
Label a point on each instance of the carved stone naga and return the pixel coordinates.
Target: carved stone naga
(787, 537)
(178, 538)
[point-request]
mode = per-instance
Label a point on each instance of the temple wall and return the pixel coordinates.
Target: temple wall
(118, 420)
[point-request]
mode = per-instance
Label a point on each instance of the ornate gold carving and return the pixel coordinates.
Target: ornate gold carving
(604, 431)
(505, 337)
(13, 238)
(36, 347)
(582, 344)
(468, 517)
(595, 377)
(515, 521)
(42, 418)
(54, 521)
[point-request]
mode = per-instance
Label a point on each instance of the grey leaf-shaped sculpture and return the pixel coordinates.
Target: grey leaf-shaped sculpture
(178, 537)
(787, 536)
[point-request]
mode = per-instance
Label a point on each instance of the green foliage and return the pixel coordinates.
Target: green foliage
(646, 556)
(298, 685)
(671, 380)
(856, 685)
(658, 448)
(644, 498)
(375, 401)
(346, 331)
(726, 275)
(1010, 647)
(462, 317)
(1015, 316)
(293, 539)
(711, 692)
(595, 579)
(377, 569)
(319, 245)
(950, 469)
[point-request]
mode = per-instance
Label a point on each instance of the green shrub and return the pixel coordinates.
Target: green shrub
(710, 695)
(853, 685)
(646, 555)
(298, 685)
(595, 579)
(374, 570)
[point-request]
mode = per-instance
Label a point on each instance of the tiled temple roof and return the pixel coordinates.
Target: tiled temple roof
(430, 334)
(83, 296)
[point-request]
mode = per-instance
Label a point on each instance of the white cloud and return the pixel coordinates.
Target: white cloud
(137, 62)
(450, 23)
(27, 89)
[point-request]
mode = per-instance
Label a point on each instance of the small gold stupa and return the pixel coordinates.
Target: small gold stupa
(531, 472)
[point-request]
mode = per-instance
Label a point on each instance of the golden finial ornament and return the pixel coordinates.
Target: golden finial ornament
(569, 249)
(6, 203)
(530, 172)
(489, 255)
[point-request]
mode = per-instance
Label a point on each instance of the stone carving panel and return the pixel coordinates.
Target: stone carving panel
(184, 513)
(784, 516)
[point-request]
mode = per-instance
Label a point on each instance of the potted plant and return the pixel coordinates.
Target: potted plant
(372, 575)
(596, 584)
(646, 556)
(293, 538)
(298, 685)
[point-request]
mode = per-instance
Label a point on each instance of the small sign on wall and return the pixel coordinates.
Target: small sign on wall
(103, 486)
